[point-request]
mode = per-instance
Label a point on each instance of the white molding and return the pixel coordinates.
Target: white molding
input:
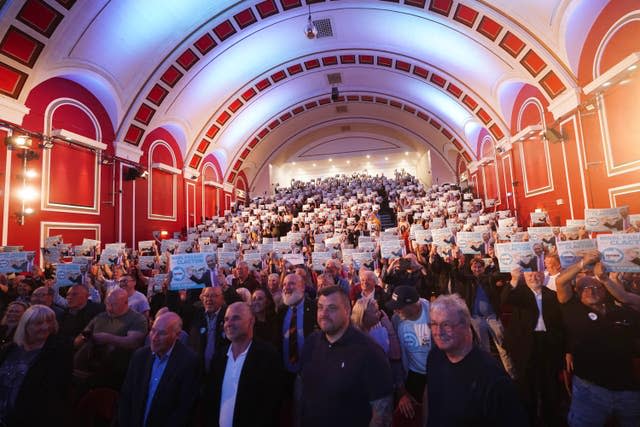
(565, 102)
(165, 167)
(78, 139)
(526, 133)
(213, 184)
(126, 151)
(7, 200)
(191, 194)
(623, 189)
(189, 173)
(227, 187)
(571, 119)
(473, 166)
(504, 146)
(615, 73)
(11, 110)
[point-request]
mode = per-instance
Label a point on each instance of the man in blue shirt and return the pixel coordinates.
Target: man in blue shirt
(162, 382)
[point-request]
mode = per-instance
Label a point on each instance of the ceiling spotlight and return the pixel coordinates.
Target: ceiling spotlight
(310, 29)
(330, 159)
(348, 162)
(293, 163)
(314, 165)
(368, 156)
(406, 153)
(144, 174)
(386, 158)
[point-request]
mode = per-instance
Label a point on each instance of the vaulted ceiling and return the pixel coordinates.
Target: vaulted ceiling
(240, 79)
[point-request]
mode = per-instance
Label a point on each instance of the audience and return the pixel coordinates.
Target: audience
(305, 248)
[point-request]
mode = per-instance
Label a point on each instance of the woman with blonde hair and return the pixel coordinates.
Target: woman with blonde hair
(35, 369)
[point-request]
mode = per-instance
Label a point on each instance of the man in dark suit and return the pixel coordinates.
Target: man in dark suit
(534, 339)
(245, 278)
(161, 387)
(244, 387)
(206, 335)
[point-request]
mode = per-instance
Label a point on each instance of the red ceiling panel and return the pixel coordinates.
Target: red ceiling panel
(67, 4)
(223, 118)
(235, 105)
(552, 84)
(454, 90)
(403, 66)
(324, 101)
(310, 65)
(133, 135)
(457, 144)
(512, 44)
(224, 30)
(294, 69)
(195, 161)
(310, 105)
(395, 104)
(202, 147)
(423, 116)
(353, 98)
(484, 116)
(171, 76)
(267, 8)
(237, 165)
(419, 71)
(286, 116)
(213, 131)
(436, 79)
(187, 59)
(248, 94)
(274, 124)
(232, 176)
(446, 133)
(348, 59)
(366, 98)
(144, 114)
(11, 80)
(245, 18)
(157, 94)
(40, 16)
(415, 3)
(279, 75)
(435, 124)
(329, 60)
(409, 109)
(496, 132)
(290, 4)
(205, 43)
(470, 102)
(465, 15)
(263, 84)
(381, 100)
(20, 46)
(466, 156)
(533, 63)
(297, 110)
(365, 59)
(489, 28)
(263, 133)
(384, 61)
(244, 153)
(443, 7)
(253, 142)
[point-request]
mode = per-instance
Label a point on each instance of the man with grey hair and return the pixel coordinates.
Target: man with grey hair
(334, 268)
(245, 278)
(465, 385)
(161, 387)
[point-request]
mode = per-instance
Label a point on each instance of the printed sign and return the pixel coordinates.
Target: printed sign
(572, 251)
(620, 252)
(187, 270)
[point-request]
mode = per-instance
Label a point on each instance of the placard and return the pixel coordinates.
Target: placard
(469, 242)
(69, 274)
(185, 268)
(423, 237)
(16, 262)
(620, 252)
(602, 220)
(572, 251)
(391, 248)
(512, 255)
(319, 260)
(362, 259)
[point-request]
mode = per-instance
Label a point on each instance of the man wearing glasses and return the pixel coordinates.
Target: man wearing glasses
(466, 386)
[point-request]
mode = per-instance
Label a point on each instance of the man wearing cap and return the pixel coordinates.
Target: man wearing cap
(411, 321)
(600, 343)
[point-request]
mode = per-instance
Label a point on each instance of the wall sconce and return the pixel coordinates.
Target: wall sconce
(14, 142)
(26, 193)
(310, 30)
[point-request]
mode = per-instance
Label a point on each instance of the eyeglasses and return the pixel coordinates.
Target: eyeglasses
(445, 326)
(594, 288)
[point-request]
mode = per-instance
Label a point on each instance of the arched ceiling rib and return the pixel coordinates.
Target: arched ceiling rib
(192, 66)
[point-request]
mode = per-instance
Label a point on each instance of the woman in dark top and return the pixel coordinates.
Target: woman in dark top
(35, 372)
(263, 308)
(9, 322)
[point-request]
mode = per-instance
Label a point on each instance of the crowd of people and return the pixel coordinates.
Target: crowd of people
(314, 321)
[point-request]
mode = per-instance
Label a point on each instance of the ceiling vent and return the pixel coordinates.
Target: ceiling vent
(334, 78)
(345, 128)
(324, 28)
(341, 109)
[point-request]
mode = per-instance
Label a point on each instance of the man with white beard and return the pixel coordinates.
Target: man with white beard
(297, 320)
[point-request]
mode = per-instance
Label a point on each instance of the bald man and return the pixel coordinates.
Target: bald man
(162, 382)
(244, 387)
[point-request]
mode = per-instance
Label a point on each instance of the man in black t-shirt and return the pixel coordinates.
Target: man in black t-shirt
(465, 385)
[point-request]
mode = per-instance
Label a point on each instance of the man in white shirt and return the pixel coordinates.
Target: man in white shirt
(245, 383)
(553, 270)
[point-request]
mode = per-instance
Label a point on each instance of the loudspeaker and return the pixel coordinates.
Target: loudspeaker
(130, 174)
(553, 136)
(335, 94)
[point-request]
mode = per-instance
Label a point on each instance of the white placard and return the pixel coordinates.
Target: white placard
(602, 220)
(69, 274)
(16, 262)
(391, 248)
(469, 242)
(572, 251)
(187, 270)
(620, 252)
(511, 255)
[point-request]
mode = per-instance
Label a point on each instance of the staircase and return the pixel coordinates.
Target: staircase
(387, 218)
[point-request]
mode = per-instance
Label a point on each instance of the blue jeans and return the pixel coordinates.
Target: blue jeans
(487, 328)
(592, 405)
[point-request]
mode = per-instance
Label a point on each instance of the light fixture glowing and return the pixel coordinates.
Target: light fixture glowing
(406, 153)
(633, 67)
(368, 156)
(293, 163)
(30, 173)
(606, 84)
(27, 193)
(386, 158)
(310, 29)
(314, 165)
(330, 160)
(348, 162)
(28, 211)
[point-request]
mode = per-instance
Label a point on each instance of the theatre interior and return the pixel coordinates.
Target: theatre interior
(125, 118)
